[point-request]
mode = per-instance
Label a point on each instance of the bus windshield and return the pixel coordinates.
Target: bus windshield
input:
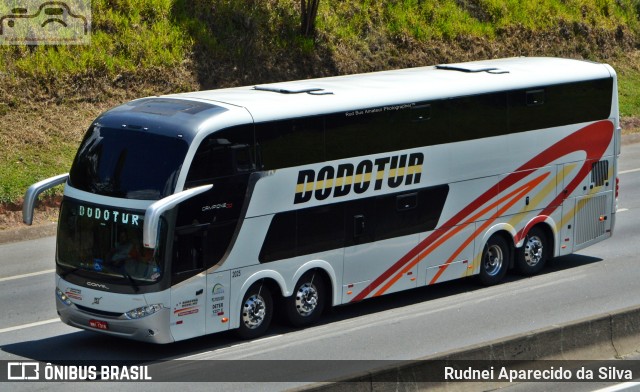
(133, 164)
(106, 244)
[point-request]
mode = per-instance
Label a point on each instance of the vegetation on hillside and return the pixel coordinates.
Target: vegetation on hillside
(50, 94)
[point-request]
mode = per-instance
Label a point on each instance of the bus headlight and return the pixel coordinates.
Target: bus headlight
(63, 297)
(143, 311)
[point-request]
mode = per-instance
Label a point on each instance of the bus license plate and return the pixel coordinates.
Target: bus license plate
(98, 324)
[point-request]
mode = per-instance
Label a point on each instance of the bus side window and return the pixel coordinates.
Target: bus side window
(409, 213)
(223, 154)
(320, 228)
(377, 130)
(560, 104)
(289, 143)
(281, 239)
(464, 113)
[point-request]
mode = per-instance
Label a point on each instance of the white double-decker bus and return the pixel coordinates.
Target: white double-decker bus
(196, 213)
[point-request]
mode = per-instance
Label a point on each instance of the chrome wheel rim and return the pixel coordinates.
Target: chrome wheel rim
(533, 250)
(493, 259)
(306, 299)
(254, 311)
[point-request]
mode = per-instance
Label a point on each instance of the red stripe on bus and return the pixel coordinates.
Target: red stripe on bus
(592, 139)
(450, 232)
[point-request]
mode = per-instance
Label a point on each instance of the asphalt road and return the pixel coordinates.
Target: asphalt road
(410, 325)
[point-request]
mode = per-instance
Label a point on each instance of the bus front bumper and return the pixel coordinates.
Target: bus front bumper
(153, 328)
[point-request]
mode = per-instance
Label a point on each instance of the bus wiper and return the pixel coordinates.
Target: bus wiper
(133, 281)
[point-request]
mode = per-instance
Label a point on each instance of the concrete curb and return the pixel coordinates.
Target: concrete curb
(606, 336)
(630, 139)
(26, 233)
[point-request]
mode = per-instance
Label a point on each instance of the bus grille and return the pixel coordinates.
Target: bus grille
(98, 312)
(600, 173)
(588, 223)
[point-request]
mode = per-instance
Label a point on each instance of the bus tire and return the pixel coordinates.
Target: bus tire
(534, 253)
(495, 260)
(304, 307)
(256, 312)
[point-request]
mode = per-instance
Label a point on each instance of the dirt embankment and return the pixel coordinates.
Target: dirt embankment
(46, 212)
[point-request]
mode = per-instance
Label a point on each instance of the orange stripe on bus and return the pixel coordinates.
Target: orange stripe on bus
(482, 228)
(516, 195)
(593, 139)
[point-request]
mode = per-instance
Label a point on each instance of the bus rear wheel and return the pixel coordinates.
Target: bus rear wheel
(256, 312)
(496, 258)
(534, 252)
(306, 304)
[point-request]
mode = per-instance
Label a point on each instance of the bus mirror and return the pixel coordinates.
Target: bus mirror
(31, 196)
(154, 212)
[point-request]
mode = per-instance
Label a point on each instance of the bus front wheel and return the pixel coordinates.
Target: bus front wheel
(306, 304)
(495, 260)
(256, 312)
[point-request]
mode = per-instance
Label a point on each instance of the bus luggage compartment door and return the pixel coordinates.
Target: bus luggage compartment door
(188, 308)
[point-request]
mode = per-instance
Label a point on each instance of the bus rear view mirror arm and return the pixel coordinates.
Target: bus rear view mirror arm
(154, 212)
(31, 196)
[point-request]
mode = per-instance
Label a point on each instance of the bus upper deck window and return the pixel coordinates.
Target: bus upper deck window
(222, 154)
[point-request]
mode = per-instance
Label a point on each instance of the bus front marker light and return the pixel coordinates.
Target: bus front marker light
(63, 297)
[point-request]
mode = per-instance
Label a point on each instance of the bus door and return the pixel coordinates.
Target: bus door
(188, 298)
